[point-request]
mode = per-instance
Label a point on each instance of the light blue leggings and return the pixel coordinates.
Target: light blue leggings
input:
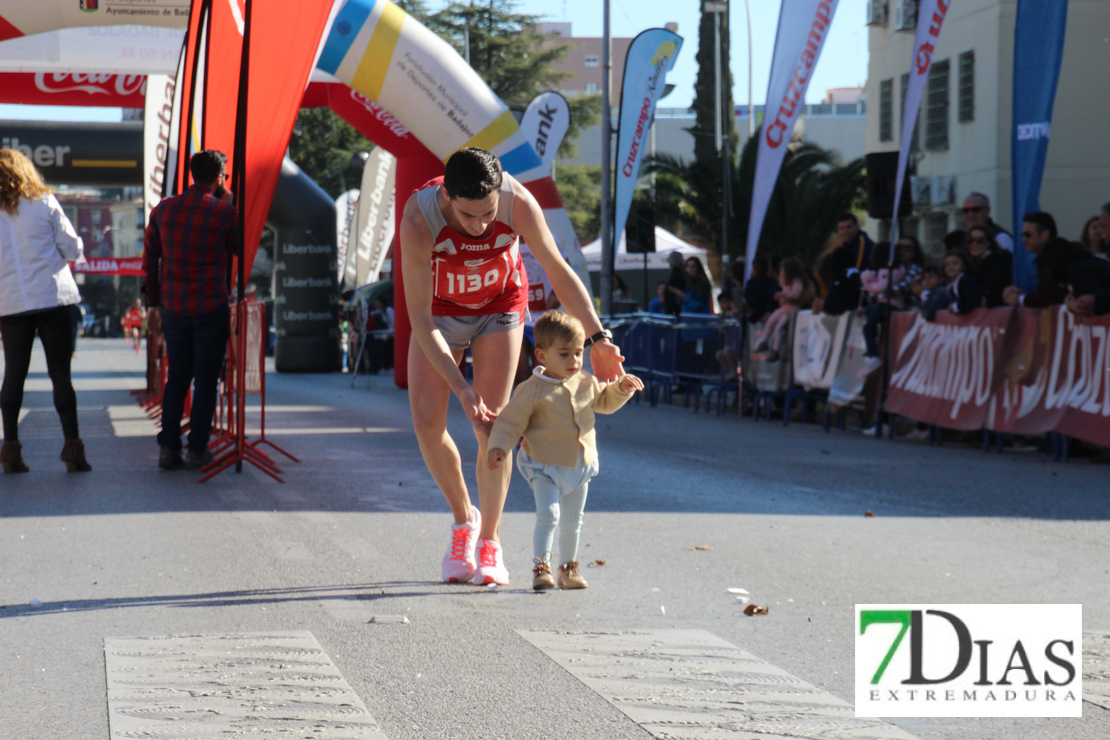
(560, 500)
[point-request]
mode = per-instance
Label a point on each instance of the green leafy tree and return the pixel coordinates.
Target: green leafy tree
(812, 190)
(580, 188)
(322, 145)
(510, 54)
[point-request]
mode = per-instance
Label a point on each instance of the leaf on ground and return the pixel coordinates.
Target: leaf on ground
(596, 564)
(700, 547)
(869, 513)
(754, 611)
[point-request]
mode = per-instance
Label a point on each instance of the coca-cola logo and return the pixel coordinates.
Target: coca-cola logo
(93, 84)
(385, 117)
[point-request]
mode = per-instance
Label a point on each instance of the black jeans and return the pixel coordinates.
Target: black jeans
(18, 334)
(876, 312)
(195, 347)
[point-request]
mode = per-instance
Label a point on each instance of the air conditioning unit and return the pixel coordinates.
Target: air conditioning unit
(905, 15)
(941, 192)
(920, 188)
(876, 12)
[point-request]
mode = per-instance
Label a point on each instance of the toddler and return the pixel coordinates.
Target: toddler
(554, 412)
(793, 297)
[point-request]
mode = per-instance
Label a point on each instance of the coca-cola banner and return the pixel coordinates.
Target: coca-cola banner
(1007, 369)
(132, 266)
(63, 88)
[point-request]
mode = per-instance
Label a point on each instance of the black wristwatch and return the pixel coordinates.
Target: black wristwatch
(603, 334)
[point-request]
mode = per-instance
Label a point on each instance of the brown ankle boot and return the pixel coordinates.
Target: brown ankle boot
(73, 455)
(11, 457)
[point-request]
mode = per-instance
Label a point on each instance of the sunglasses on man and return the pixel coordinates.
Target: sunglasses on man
(972, 209)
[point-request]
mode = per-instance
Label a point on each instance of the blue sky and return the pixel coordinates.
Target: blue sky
(843, 62)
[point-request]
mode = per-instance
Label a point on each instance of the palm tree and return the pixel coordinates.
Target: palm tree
(812, 190)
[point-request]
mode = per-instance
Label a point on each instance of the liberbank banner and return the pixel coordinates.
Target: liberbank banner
(803, 28)
(1038, 52)
(377, 49)
(930, 18)
(650, 56)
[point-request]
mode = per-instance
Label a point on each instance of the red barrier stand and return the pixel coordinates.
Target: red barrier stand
(246, 374)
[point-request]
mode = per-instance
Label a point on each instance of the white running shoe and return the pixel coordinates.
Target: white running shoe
(459, 563)
(491, 565)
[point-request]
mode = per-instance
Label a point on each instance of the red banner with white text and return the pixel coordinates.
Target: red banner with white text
(132, 266)
(1010, 370)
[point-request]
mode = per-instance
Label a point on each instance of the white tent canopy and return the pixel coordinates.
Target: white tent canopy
(665, 243)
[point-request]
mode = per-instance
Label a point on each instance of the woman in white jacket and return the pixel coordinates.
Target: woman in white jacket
(36, 291)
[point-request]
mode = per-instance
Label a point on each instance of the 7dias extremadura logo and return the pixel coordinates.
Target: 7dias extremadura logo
(969, 660)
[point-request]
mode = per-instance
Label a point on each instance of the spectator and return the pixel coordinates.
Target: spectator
(822, 279)
(658, 304)
(759, 291)
(1094, 238)
(843, 266)
(907, 269)
(620, 289)
(695, 296)
(977, 212)
(796, 294)
(734, 284)
(728, 308)
(1038, 231)
(931, 292)
(36, 292)
(189, 240)
(955, 240)
(995, 266)
(676, 280)
(911, 258)
(964, 287)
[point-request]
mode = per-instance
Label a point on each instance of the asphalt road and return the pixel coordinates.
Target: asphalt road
(358, 530)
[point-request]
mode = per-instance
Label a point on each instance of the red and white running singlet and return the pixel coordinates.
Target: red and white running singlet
(475, 276)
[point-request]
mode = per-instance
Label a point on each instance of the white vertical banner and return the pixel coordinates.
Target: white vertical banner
(157, 141)
(545, 123)
(930, 18)
(803, 28)
(373, 227)
(346, 205)
(650, 56)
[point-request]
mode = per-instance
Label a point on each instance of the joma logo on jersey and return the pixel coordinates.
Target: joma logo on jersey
(89, 6)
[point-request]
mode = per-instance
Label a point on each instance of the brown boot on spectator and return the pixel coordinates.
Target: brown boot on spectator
(73, 455)
(571, 577)
(11, 457)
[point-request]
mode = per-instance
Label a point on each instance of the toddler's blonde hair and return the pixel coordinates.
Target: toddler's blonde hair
(557, 325)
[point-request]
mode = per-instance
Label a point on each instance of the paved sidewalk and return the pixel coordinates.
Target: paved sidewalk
(292, 580)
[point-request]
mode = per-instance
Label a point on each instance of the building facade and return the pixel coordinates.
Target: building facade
(963, 137)
(583, 60)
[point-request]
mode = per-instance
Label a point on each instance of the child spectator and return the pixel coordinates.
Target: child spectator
(759, 290)
(728, 308)
(554, 412)
(931, 293)
(965, 290)
(796, 294)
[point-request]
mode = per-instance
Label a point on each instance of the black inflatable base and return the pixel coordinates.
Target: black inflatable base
(307, 355)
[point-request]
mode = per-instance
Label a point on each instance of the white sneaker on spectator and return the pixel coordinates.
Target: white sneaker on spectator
(459, 563)
(491, 565)
(873, 364)
(917, 435)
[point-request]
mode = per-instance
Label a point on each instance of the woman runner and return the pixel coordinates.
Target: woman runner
(465, 286)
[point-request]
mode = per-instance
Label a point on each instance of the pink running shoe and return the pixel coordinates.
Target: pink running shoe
(459, 563)
(491, 566)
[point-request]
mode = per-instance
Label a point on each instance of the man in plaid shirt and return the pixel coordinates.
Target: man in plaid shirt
(189, 242)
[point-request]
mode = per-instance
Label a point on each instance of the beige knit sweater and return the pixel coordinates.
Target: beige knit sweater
(556, 418)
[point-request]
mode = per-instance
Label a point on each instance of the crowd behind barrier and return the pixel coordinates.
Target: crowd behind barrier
(1006, 370)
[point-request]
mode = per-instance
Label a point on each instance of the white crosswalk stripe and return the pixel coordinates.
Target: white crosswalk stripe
(203, 687)
(692, 685)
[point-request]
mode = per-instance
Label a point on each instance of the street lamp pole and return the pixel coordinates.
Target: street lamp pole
(717, 8)
(607, 246)
(751, 105)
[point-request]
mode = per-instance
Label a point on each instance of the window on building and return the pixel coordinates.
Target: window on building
(936, 107)
(591, 88)
(936, 226)
(886, 110)
(915, 138)
(96, 218)
(967, 86)
(592, 60)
